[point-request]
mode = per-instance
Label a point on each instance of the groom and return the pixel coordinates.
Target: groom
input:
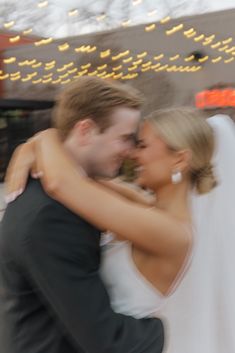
(53, 298)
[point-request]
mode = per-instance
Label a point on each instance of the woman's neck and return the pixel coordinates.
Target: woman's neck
(174, 199)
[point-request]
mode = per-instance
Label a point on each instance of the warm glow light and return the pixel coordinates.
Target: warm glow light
(37, 65)
(202, 60)
(142, 55)
(116, 68)
(128, 60)
(227, 41)
(216, 45)
(174, 29)
(101, 17)
(4, 77)
(10, 60)
(227, 61)
(9, 24)
(216, 60)
(158, 57)
(230, 50)
(199, 38)
(150, 27)
(172, 58)
(42, 4)
(165, 19)
(73, 12)
(27, 31)
(43, 42)
(132, 68)
(14, 39)
(136, 2)
(86, 66)
(63, 47)
(126, 23)
(189, 31)
(189, 58)
(223, 48)
(152, 13)
(104, 54)
(35, 82)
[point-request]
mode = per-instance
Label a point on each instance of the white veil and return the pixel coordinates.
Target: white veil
(200, 315)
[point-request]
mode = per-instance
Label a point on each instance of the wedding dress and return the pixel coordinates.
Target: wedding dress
(199, 311)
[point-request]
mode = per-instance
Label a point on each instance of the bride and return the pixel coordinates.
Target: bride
(171, 260)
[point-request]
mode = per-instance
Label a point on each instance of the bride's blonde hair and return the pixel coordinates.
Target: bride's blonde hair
(186, 128)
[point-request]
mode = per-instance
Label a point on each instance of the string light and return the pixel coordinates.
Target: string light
(165, 19)
(174, 29)
(216, 60)
(137, 62)
(136, 2)
(116, 68)
(14, 39)
(43, 42)
(230, 50)
(37, 65)
(42, 4)
(189, 58)
(105, 54)
(216, 45)
(9, 24)
(27, 31)
(101, 17)
(73, 12)
(10, 60)
(126, 23)
(4, 77)
(150, 28)
(142, 55)
(172, 58)
(199, 38)
(63, 47)
(223, 48)
(227, 61)
(128, 59)
(152, 13)
(35, 82)
(227, 41)
(84, 67)
(158, 57)
(202, 60)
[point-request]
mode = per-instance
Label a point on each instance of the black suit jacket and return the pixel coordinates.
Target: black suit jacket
(52, 297)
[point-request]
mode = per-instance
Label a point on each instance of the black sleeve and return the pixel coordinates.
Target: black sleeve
(59, 262)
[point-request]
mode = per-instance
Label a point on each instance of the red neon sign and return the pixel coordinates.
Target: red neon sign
(215, 98)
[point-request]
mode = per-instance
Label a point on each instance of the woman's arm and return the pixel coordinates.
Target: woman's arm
(23, 162)
(129, 192)
(150, 229)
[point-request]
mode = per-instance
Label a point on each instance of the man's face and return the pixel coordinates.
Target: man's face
(109, 148)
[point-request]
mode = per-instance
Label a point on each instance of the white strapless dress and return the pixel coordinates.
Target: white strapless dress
(199, 311)
(130, 292)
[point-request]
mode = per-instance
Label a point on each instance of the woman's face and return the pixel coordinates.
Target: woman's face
(155, 160)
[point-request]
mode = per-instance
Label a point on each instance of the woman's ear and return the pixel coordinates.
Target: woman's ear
(182, 160)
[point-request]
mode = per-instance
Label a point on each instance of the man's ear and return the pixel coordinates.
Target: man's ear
(85, 130)
(182, 160)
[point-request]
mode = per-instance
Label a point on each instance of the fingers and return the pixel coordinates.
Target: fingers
(18, 171)
(15, 182)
